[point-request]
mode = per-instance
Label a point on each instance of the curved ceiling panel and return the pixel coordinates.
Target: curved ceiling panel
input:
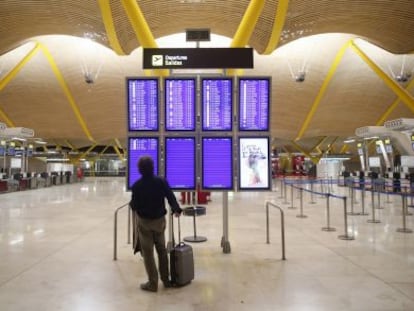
(339, 91)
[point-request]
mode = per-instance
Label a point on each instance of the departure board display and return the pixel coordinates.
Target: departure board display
(138, 147)
(254, 104)
(2, 151)
(11, 151)
(217, 163)
(254, 163)
(180, 162)
(143, 98)
(217, 104)
(180, 104)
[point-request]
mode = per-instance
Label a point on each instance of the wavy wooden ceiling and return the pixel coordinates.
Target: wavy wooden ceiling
(340, 93)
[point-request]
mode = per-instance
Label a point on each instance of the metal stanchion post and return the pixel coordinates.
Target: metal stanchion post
(328, 225)
(388, 194)
(301, 215)
(363, 202)
(331, 184)
(282, 184)
(346, 236)
(285, 194)
(225, 244)
(373, 220)
(129, 225)
(379, 198)
(404, 229)
(291, 197)
(267, 225)
(311, 191)
(407, 212)
(322, 188)
(354, 196)
(352, 202)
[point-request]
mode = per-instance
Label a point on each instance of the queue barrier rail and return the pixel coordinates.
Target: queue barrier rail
(116, 228)
(378, 186)
(282, 226)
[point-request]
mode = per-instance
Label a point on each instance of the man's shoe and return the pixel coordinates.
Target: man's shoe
(168, 284)
(148, 287)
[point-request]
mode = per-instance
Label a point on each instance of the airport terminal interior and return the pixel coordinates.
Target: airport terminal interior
(285, 128)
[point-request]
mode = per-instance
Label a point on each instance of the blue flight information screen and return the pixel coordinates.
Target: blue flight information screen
(143, 105)
(180, 162)
(180, 104)
(254, 103)
(217, 163)
(138, 147)
(217, 104)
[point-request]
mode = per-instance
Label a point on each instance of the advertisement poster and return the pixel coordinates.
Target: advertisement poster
(254, 163)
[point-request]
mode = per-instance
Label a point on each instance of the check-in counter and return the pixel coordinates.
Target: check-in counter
(62, 178)
(55, 179)
(33, 182)
(68, 177)
(24, 183)
(3, 185)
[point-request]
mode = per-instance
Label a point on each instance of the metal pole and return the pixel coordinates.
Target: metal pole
(225, 241)
(285, 190)
(328, 225)
(129, 225)
(267, 224)
(354, 196)
(331, 184)
(352, 212)
(115, 234)
(281, 188)
(312, 198)
(404, 229)
(346, 236)
(373, 220)
(322, 189)
(388, 197)
(282, 227)
(363, 201)
(116, 229)
(379, 198)
(291, 197)
(301, 204)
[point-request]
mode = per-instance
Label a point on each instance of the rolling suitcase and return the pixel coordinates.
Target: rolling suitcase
(181, 261)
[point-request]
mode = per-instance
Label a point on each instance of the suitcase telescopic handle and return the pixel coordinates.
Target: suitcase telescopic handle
(179, 229)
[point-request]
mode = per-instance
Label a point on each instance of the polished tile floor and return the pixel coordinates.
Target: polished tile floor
(56, 253)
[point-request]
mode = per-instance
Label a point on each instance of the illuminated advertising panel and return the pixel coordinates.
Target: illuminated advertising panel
(254, 163)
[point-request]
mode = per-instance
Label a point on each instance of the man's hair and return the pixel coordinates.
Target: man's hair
(146, 166)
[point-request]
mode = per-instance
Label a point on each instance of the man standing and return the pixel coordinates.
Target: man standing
(148, 201)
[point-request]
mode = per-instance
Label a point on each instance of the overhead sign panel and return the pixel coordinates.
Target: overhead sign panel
(197, 58)
(17, 132)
